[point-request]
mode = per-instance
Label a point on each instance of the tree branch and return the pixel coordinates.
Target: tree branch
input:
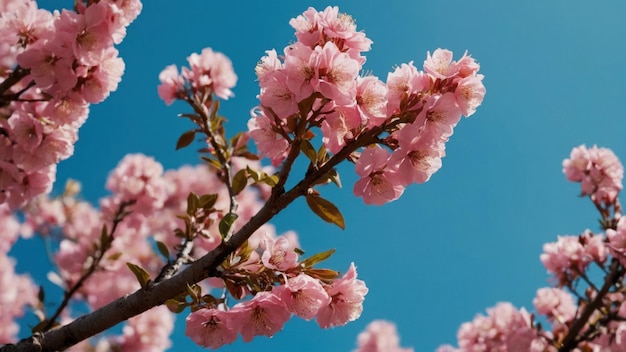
(140, 301)
(571, 340)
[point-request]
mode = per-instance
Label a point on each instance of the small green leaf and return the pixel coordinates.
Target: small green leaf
(163, 249)
(323, 274)
(326, 210)
(270, 180)
(307, 148)
(316, 258)
(142, 275)
(256, 176)
(226, 223)
(114, 256)
(192, 203)
(240, 180)
(207, 201)
(185, 139)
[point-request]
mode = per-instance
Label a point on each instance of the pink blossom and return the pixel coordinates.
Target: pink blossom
(9, 228)
(404, 82)
(469, 94)
(347, 295)
(300, 68)
(18, 291)
(617, 240)
(148, 332)
(567, 257)
(277, 254)
(267, 67)
(440, 64)
(371, 98)
(599, 171)
(211, 71)
(418, 156)
(504, 329)
(556, 304)
(315, 28)
(440, 115)
(211, 328)
(138, 178)
(304, 296)
(172, 84)
(379, 183)
(338, 127)
(380, 336)
(269, 142)
(265, 314)
(275, 95)
(104, 77)
(337, 74)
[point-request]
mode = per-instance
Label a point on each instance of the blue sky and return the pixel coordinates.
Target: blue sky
(471, 236)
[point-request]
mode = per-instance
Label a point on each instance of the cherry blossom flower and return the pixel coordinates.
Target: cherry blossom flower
(347, 295)
(265, 314)
(211, 328)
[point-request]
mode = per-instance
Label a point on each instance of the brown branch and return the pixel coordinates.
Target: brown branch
(181, 258)
(140, 301)
(13, 78)
(571, 340)
(67, 295)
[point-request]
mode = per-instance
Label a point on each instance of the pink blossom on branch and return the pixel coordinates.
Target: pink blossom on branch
(598, 170)
(347, 295)
(380, 336)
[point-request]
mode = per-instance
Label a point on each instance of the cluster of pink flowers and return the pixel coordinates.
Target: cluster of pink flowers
(380, 336)
(71, 62)
(599, 172)
(209, 73)
(317, 80)
(569, 259)
(569, 256)
(332, 304)
(504, 329)
(18, 291)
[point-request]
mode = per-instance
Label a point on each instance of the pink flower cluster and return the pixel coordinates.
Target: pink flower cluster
(599, 172)
(208, 73)
(380, 336)
(569, 256)
(18, 291)
(317, 80)
(265, 314)
(71, 63)
(504, 329)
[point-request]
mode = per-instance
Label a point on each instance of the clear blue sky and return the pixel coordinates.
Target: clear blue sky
(448, 249)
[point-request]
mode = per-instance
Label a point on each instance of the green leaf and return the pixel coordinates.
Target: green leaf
(226, 223)
(323, 274)
(326, 210)
(307, 148)
(163, 249)
(270, 180)
(256, 176)
(316, 258)
(141, 274)
(240, 180)
(185, 139)
(192, 203)
(114, 256)
(207, 201)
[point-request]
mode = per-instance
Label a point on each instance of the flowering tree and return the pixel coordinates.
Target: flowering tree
(197, 240)
(585, 308)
